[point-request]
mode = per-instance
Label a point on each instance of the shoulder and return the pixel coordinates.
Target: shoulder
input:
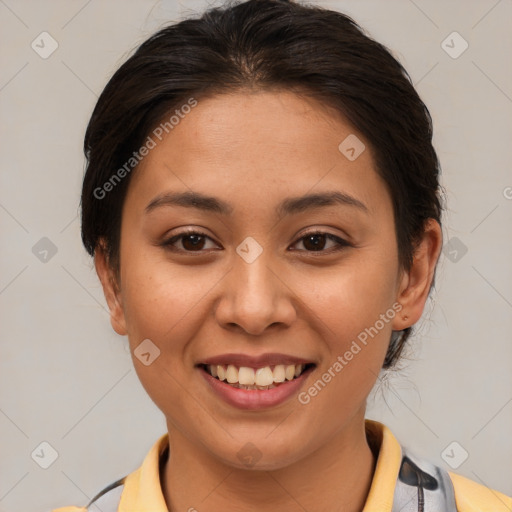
(416, 480)
(471, 496)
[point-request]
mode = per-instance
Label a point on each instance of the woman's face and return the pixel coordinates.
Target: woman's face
(256, 289)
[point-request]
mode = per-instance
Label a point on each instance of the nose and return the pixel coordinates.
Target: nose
(255, 297)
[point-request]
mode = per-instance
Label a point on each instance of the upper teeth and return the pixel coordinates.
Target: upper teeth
(256, 376)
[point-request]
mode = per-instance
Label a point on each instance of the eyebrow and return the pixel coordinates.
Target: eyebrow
(291, 205)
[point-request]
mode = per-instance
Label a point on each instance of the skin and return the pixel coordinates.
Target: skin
(252, 150)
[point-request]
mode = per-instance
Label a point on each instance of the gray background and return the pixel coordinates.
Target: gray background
(67, 378)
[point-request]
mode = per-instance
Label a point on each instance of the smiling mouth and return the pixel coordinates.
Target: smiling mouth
(244, 377)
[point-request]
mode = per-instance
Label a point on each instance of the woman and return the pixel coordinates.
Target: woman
(263, 207)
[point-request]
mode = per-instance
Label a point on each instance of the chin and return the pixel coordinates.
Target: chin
(255, 453)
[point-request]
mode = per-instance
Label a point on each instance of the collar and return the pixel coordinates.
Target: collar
(389, 456)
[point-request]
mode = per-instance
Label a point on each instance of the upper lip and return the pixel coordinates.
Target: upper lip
(260, 361)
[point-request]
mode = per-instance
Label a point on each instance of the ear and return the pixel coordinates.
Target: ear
(110, 289)
(415, 283)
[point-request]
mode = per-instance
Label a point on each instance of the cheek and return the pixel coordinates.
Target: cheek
(351, 297)
(162, 301)
(352, 309)
(163, 304)
(355, 329)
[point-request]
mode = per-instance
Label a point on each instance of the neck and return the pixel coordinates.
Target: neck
(337, 476)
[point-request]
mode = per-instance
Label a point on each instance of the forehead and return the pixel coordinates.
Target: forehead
(266, 142)
(239, 125)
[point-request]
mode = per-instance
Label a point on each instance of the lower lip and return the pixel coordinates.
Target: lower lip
(255, 398)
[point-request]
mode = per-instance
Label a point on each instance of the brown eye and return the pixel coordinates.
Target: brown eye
(191, 241)
(316, 241)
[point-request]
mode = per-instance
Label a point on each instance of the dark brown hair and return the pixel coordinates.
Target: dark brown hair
(265, 44)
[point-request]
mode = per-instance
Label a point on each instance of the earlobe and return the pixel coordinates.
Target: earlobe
(415, 283)
(110, 289)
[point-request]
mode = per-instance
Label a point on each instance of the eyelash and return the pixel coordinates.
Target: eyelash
(342, 244)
